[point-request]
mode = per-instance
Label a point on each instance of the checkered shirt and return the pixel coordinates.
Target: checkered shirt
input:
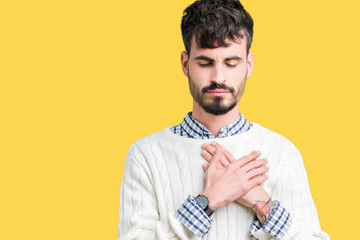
(191, 128)
(192, 216)
(277, 224)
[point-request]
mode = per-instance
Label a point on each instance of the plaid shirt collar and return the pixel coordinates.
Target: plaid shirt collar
(191, 128)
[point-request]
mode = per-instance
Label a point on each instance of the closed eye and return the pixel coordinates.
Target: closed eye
(232, 63)
(205, 64)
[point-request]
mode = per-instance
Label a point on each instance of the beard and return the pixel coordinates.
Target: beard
(216, 105)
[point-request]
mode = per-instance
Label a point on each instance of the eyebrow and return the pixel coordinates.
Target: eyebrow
(233, 58)
(205, 58)
(202, 57)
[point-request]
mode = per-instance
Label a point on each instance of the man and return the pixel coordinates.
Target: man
(204, 178)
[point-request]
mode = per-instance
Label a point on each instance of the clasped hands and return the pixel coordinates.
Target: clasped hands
(229, 179)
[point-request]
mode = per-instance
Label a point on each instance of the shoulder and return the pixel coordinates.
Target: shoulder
(144, 145)
(276, 140)
(150, 139)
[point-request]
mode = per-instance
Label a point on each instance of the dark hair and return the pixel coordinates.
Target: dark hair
(212, 21)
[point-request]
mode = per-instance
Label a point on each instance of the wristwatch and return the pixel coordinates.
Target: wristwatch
(203, 203)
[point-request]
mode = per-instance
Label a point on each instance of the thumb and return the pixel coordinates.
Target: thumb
(205, 166)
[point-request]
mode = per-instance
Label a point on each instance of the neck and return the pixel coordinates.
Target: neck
(214, 123)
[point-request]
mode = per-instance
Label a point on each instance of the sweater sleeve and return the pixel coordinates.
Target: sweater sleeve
(140, 216)
(293, 191)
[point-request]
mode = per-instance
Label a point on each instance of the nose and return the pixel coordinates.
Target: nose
(217, 74)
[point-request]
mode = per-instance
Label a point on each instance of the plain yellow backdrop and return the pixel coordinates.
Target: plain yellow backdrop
(82, 80)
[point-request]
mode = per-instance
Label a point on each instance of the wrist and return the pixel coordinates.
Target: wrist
(254, 196)
(212, 201)
(263, 210)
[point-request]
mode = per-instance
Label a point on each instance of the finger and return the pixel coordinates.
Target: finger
(211, 148)
(253, 164)
(215, 162)
(227, 154)
(248, 158)
(224, 161)
(205, 166)
(258, 180)
(208, 147)
(256, 172)
(209, 155)
(206, 155)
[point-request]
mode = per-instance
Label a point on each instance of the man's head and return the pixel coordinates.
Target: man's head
(212, 21)
(217, 36)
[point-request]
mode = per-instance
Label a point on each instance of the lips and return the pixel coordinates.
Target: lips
(218, 92)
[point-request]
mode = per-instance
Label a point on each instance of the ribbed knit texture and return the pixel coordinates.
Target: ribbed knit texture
(163, 169)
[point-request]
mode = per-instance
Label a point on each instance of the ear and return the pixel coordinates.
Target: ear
(184, 63)
(250, 63)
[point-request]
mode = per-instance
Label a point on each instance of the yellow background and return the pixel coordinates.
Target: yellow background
(82, 80)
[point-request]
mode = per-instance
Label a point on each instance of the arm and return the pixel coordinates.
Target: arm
(140, 216)
(268, 212)
(293, 189)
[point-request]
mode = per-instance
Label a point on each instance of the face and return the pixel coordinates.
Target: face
(217, 76)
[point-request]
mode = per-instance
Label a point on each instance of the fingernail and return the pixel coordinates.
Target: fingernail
(203, 152)
(213, 143)
(205, 144)
(258, 152)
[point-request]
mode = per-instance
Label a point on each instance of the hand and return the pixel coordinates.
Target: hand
(257, 198)
(227, 181)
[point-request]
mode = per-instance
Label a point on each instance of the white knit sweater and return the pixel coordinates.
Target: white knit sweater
(163, 169)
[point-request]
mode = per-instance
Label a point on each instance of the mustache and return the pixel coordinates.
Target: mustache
(214, 86)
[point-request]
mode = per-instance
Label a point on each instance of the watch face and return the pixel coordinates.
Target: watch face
(202, 201)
